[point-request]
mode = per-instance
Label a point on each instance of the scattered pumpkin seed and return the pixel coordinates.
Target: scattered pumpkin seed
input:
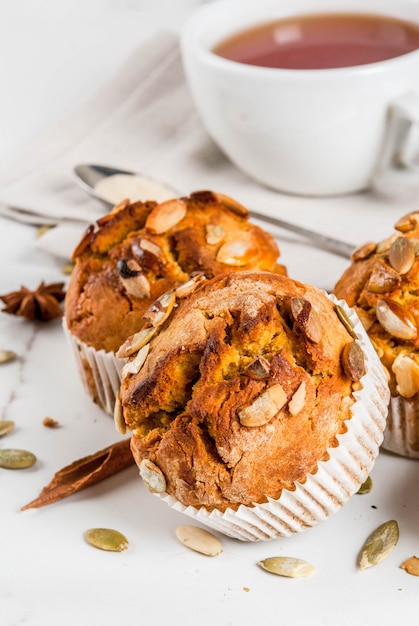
(287, 566)
(379, 544)
(16, 459)
(186, 288)
(134, 365)
(6, 427)
(383, 279)
(264, 407)
(297, 402)
(152, 476)
(402, 255)
(396, 319)
(344, 319)
(411, 565)
(364, 251)
(215, 233)
(135, 342)
(7, 355)
(133, 279)
(353, 363)
(43, 229)
(259, 369)
(366, 486)
(50, 422)
(408, 222)
(306, 318)
(406, 371)
(68, 268)
(118, 416)
(106, 539)
(237, 252)
(166, 215)
(199, 540)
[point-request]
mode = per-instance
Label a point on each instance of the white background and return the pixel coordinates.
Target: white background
(52, 54)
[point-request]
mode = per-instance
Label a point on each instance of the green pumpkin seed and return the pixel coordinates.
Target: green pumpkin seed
(6, 427)
(287, 566)
(7, 355)
(379, 544)
(106, 539)
(68, 268)
(43, 229)
(343, 317)
(16, 459)
(366, 486)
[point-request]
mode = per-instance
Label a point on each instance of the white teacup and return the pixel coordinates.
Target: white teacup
(308, 132)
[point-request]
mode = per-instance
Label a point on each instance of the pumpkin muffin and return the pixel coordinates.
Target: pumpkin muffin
(256, 403)
(382, 284)
(138, 252)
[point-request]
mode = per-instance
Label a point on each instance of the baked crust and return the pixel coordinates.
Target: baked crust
(214, 236)
(188, 405)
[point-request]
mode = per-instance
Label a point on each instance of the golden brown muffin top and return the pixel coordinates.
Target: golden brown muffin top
(382, 284)
(142, 250)
(241, 390)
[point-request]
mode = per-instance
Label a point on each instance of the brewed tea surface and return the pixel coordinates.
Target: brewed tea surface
(322, 41)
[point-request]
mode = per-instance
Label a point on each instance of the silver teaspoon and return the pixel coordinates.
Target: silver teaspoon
(90, 178)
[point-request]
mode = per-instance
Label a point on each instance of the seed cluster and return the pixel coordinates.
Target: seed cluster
(377, 547)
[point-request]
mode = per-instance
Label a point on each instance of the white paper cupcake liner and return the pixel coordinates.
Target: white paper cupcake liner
(336, 479)
(99, 371)
(401, 435)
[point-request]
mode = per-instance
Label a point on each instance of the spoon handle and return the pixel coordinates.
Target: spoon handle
(341, 248)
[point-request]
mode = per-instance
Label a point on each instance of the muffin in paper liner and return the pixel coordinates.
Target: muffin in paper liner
(401, 435)
(335, 480)
(381, 283)
(138, 252)
(98, 370)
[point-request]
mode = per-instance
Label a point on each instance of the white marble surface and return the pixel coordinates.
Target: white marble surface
(49, 576)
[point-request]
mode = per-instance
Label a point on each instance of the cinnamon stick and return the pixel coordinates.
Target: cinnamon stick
(84, 473)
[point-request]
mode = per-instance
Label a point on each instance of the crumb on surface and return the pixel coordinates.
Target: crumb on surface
(49, 422)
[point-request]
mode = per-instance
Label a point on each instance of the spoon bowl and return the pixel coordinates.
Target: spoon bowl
(111, 185)
(88, 176)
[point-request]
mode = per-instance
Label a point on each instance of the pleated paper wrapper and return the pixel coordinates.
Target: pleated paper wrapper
(99, 371)
(401, 435)
(336, 479)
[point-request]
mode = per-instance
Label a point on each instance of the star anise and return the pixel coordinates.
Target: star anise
(41, 304)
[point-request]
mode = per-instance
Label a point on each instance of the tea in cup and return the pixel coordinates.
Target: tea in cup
(310, 97)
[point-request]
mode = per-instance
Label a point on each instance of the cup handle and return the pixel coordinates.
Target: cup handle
(398, 168)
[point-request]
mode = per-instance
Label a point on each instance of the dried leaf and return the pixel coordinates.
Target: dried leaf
(84, 472)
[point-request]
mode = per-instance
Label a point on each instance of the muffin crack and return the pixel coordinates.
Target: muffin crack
(242, 388)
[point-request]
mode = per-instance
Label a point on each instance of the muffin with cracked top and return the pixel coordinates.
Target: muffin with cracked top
(136, 253)
(256, 403)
